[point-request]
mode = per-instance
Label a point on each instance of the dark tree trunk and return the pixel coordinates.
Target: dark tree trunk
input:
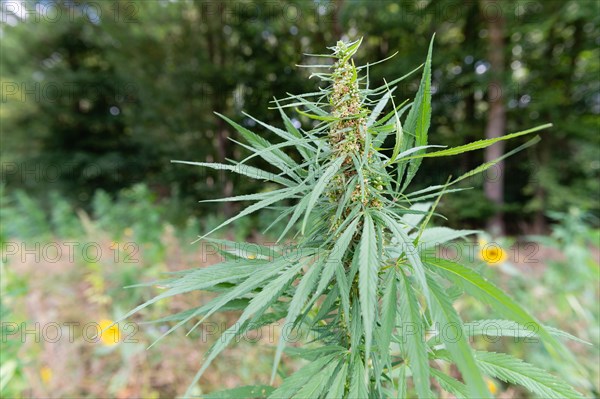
(338, 30)
(496, 124)
(215, 40)
(472, 26)
(540, 224)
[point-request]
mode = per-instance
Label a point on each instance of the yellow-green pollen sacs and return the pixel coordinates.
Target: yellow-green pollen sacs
(347, 133)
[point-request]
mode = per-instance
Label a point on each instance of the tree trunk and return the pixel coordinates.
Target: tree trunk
(338, 30)
(217, 56)
(496, 124)
(470, 30)
(540, 225)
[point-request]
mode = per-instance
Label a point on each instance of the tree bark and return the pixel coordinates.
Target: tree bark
(496, 124)
(470, 30)
(338, 30)
(216, 53)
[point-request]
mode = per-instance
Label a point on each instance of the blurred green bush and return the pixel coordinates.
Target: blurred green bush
(107, 102)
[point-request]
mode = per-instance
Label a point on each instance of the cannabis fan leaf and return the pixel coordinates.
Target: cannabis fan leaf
(355, 267)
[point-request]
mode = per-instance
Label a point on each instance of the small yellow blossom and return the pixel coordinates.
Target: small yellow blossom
(492, 253)
(46, 374)
(491, 386)
(128, 232)
(112, 335)
(252, 256)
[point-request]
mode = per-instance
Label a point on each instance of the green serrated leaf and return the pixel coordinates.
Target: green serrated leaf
(481, 288)
(450, 384)
(304, 289)
(419, 117)
(509, 328)
(320, 186)
(402, 388)
(281, 195)
(510, 369)
(297, 380)
(409, 248)
(334, 260)
(319, 383)
(367, 282)
(413, 336)
(358, 385)
(456, 344)
(338, 385)
(477, 145)
(245, 170)
(388, 316)
(257, 305)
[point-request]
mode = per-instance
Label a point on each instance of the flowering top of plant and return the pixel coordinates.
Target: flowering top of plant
(362, 277)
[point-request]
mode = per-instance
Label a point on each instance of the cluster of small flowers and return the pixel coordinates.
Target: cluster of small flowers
(348, 131)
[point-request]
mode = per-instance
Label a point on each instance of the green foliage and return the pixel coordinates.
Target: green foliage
(361, 275)
(12, 378)
(135, 214)
(573, 282)
(510, 369)
(108, 102)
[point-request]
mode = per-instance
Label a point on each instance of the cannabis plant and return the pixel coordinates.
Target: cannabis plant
(355, 267)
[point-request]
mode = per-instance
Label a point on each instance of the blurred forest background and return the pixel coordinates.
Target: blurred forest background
(102, 95)
(99, 96)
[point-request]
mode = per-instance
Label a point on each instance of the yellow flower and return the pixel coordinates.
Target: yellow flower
(128, 232)
(46, 374)
(112, 335)
(492, 254)
(491, 386)
(251, 256)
